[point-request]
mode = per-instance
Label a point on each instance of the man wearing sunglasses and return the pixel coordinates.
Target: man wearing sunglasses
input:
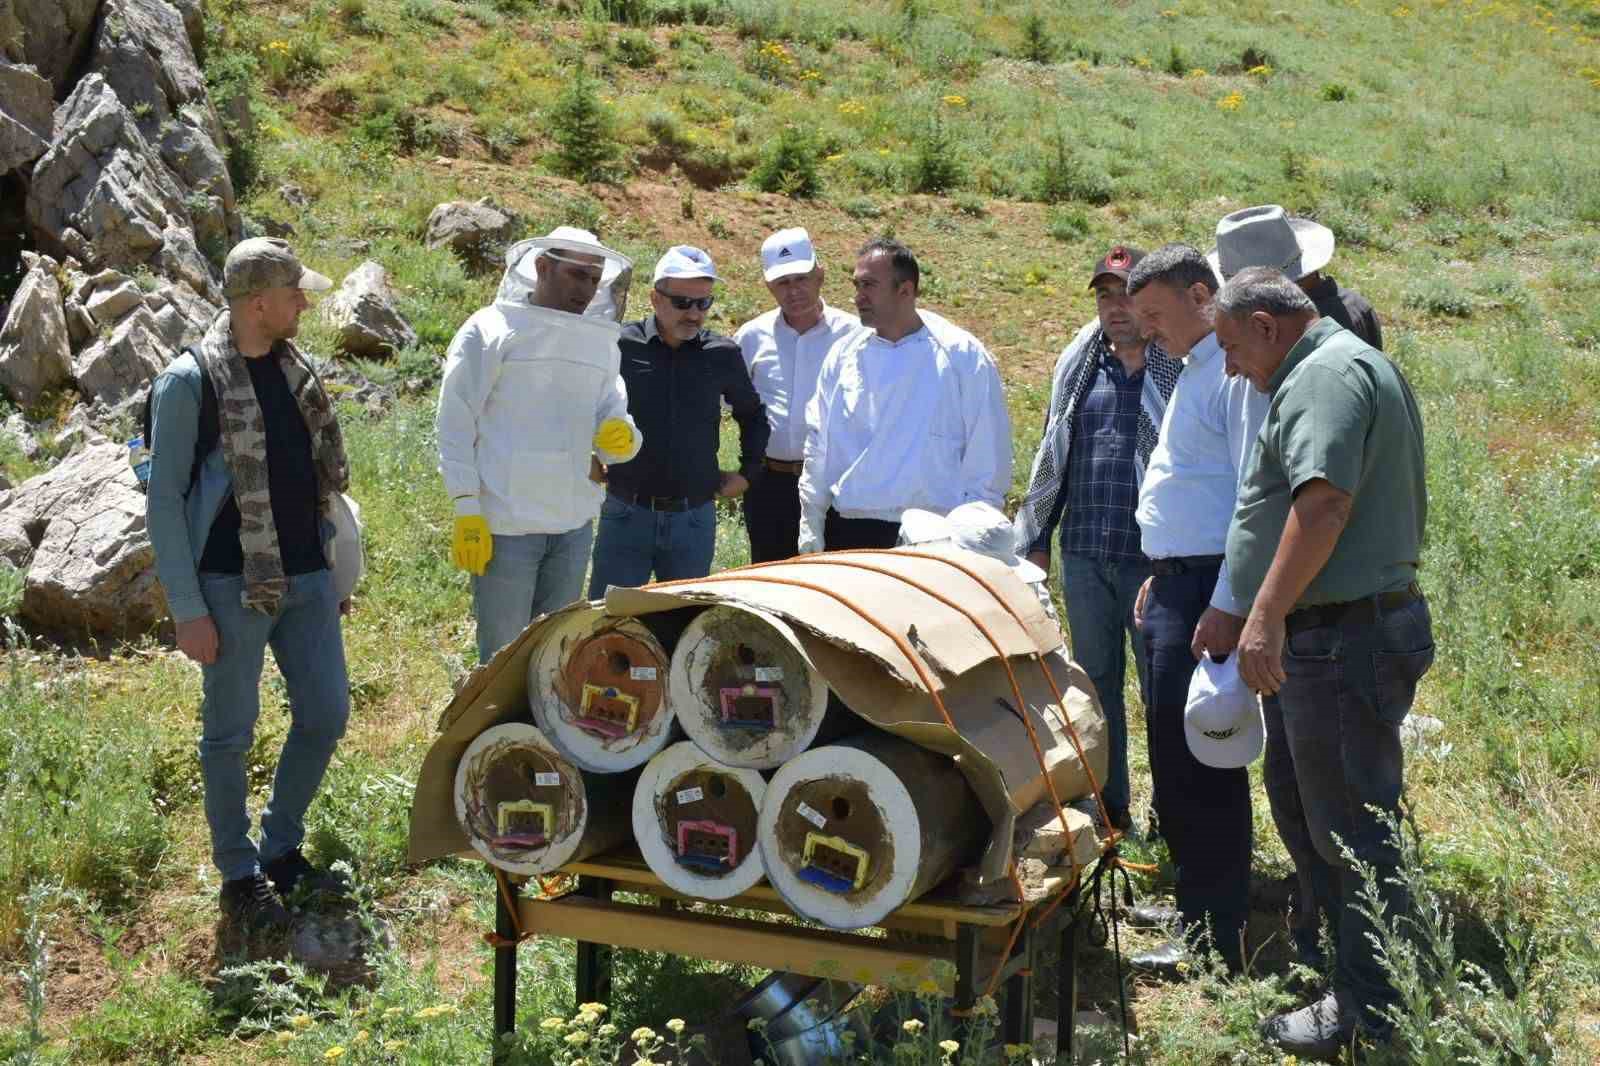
(659, 517)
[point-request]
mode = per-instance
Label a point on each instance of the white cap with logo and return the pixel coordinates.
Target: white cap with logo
(1222, 719)
(683, 261)
(788, 251)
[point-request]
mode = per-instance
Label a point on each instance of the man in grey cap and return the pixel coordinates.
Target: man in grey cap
(1268, 236)
(245, 455)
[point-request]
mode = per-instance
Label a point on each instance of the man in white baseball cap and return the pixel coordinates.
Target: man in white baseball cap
(530, 405)
(659, 516)
(1268, 236)
(783, 350)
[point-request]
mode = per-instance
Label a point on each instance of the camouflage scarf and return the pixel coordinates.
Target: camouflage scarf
(244, 449)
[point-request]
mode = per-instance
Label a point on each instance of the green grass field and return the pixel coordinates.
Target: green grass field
(1453, 147)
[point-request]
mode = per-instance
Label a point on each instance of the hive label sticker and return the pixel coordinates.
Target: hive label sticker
(690, 795)
(769, 673)
(642, 673)
(547, 780)
(811, 814)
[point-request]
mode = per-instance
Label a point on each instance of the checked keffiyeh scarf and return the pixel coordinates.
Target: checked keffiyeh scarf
(244, 449)
(1074, 373)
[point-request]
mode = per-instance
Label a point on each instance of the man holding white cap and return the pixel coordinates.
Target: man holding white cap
(659, 516)
(1268, 236)
(530, 402)
(246, 457)
(783, 350)
(908, 413)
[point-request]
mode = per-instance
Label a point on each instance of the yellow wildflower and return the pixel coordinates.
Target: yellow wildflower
(883, 151)
(834, 158)
(549, 1025)
(1169, 13)
(675, 1026)
(284, 1037)
(593, 1008)
(586, 1020)
(912, 1026)
(394, 1045)
(956, 100)
(641, 1034)
(577, 1038)
(334, 1053)
(1142, 62)
(1261, 71)
(927, 987)
(361, 1037)
(1197, 72)
(606, 1030)
(949, 1047)
(1232, 102)
(301, 1021)
(1017, 1051)
(1401, 12)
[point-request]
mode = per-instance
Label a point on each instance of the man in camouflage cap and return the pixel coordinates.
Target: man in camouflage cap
(245, 455)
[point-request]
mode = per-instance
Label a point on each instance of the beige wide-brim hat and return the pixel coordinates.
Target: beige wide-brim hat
(1269, 236)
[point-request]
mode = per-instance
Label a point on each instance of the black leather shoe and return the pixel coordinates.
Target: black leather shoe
(292, 872)
(252, 905)
(1316, 1032)
(1170, 961)
(1152, 915)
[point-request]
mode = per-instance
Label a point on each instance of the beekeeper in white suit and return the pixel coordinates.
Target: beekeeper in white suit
(530, 407)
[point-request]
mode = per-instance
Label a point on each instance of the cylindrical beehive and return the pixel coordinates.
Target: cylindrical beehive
(529, 810)
(695, 822)
(597, 686)
(853, 830)
(744, 690)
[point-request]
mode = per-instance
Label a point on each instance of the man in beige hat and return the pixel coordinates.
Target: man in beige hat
(530, 402)
(1268, 236)
(246, 455)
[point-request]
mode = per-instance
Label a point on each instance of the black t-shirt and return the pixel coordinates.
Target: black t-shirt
(291, 479)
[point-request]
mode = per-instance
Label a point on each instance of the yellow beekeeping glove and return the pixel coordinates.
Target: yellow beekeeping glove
(471, 546)
(614, 436)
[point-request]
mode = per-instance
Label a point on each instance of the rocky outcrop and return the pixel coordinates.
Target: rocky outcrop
(103, 195)
(53, 35)
(364, 313)
(477, 231)
(122, 364)
(35, 352)
(26, 115)
(181, 316)
(92, 567)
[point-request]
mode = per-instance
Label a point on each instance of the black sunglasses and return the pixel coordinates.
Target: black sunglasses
(683, 303)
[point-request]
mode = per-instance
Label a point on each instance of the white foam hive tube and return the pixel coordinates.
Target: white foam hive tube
(851, 831)
(744, 690)
(528, 810)
(597, 686)
(695, 822)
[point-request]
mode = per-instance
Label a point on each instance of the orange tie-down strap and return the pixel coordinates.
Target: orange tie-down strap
(748, 573)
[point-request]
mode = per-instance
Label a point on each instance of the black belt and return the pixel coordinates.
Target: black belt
(659, 503)
(784, 466)
(1182, 564)
(1366, 610)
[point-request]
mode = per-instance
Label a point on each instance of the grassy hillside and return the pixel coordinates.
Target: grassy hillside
(1453, 147)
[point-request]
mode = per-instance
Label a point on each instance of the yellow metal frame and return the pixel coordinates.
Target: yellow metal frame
(545, 811)
(841, 845)
(610, 692)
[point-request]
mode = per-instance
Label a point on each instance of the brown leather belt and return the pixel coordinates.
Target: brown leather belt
(784, 466)
(1365, 610)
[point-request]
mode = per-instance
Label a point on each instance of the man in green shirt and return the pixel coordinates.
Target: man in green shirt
(1323, 546)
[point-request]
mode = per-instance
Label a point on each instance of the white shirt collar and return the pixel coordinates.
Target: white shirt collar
(1203, 351)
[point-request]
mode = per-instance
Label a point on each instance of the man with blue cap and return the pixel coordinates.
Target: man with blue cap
(659, 516)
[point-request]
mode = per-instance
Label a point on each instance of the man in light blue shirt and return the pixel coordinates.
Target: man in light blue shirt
(1187, 608)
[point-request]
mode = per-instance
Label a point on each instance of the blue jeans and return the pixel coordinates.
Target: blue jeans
(527, 576)
(308, 646)
(633, 542)
(1204, 810)
(1348, 688)
(1099, 597)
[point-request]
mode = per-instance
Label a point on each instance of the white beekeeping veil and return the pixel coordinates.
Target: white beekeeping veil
(521, 276)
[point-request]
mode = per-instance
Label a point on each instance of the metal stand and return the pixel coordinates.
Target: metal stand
(589, 916)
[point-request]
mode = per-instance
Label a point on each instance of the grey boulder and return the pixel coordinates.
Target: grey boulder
(35, 351)
(53, 35)
(364, 314)
(27, 113)
(477, 231)
(120, 365)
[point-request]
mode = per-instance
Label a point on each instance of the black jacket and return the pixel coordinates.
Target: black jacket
(1348, 308)
(675, 397)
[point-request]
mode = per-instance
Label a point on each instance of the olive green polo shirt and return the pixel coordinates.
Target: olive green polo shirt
(1343, 412)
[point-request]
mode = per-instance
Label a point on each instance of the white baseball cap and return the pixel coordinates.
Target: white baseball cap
(789, 251)
(976, 526)
(685, 261)
(1222, 718)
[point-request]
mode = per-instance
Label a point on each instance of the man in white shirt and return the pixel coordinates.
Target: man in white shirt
(909, 412)
(1187, 609)
(531, 401)
(783, 350)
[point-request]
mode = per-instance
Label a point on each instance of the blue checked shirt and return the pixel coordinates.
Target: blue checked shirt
(1102, 484)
